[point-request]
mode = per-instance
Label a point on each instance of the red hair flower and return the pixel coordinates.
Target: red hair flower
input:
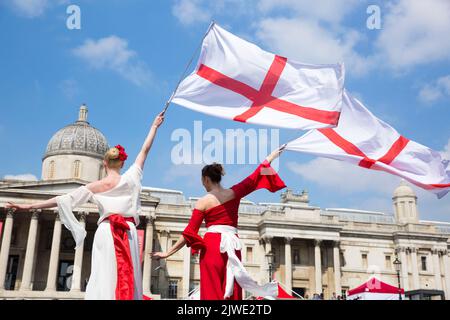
(122, 154)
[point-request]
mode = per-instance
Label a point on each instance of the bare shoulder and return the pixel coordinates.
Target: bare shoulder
(202, 203)
(96, 186)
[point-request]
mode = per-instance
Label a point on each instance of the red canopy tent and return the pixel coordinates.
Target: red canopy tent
(375, 289)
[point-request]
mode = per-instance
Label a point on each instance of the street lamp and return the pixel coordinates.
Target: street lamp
(269, 257)
(398, 264)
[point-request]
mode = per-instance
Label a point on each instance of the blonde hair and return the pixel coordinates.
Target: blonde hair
(112, 158)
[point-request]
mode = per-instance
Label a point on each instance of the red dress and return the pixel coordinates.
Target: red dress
(212, 262)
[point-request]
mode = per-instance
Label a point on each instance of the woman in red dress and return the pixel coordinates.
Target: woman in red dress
(222, 274)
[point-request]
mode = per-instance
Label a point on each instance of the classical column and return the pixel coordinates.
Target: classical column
(401, 251)
(54, 255)
(446, 273)
(415, 269)
(78, 262)
(318, 266)
(288, 263)
(337, 268)
(163, 281)
(29, 254)
(186, 270)
(437, 269)
(268, 249)
(147, 270)
(6, 242)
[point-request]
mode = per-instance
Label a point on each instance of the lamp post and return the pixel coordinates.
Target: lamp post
(397, 264)
(269, 257)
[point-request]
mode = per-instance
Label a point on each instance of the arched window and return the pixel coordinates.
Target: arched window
(51, 170)
(77, 169)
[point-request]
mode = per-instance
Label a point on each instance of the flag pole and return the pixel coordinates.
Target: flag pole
(166, 106)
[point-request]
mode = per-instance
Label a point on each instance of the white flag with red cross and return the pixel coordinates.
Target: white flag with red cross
(235, 79)
(366, 141)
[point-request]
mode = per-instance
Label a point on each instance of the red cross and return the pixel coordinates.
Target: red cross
(263, 97)
(367, 162)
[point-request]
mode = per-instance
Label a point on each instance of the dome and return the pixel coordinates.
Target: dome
(78, 138)
(404, 190)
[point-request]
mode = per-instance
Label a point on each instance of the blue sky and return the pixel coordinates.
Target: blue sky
(128, 55)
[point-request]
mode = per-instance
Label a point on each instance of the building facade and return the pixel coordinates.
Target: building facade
(311, 250)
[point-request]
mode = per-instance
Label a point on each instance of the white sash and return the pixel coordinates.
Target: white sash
(229, 242)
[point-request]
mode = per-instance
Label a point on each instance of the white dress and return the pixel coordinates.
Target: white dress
(123, 199)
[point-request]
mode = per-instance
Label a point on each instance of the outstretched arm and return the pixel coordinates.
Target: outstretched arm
(142, 156)
(191, 233)
(50, 203)
(177, 246)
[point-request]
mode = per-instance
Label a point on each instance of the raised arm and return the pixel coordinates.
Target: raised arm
(263, 177)
(142, 156)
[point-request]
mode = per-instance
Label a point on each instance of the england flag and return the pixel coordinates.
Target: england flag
(366, 141)
(234, 79)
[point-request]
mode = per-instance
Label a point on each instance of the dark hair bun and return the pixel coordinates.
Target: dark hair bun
(213, 171)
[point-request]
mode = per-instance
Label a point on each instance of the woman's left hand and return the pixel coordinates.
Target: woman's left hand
(275, 154)
(16, 206)
(158, 120)
(158, 255)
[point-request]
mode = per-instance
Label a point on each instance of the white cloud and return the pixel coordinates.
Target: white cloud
(323, 10)
(345, 178)
(113, 53)
(446, 152)
(29, 8)
(190, 11)
(309, 41)
(435, 91)
(32, 8)
(21, 177)
(415, 32)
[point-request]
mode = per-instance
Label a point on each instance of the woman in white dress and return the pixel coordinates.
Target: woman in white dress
(115, 266)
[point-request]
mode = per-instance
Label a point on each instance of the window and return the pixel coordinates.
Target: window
(11, 272)
(249, 254)
(423, 260)
(77, 169)
(65, 275)
(51, 170)
(364, 260)
(296, 256)
(388, 263)
(173, 289)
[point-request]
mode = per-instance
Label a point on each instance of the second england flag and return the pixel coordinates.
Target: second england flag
(235, 79)
(366, 141)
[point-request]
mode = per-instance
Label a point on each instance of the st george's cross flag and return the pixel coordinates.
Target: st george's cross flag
(366, 141)
(234, 79)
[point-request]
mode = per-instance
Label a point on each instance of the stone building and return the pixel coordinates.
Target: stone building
(312, 250)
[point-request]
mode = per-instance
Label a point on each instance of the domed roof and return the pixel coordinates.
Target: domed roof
(403, 190)
(78, 138)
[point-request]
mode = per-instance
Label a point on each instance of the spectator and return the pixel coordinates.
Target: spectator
(321, 296)
(333, 297)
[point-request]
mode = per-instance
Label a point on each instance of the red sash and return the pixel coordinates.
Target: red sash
(125, 274)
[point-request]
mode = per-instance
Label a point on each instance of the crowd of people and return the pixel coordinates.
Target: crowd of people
(320, 296)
